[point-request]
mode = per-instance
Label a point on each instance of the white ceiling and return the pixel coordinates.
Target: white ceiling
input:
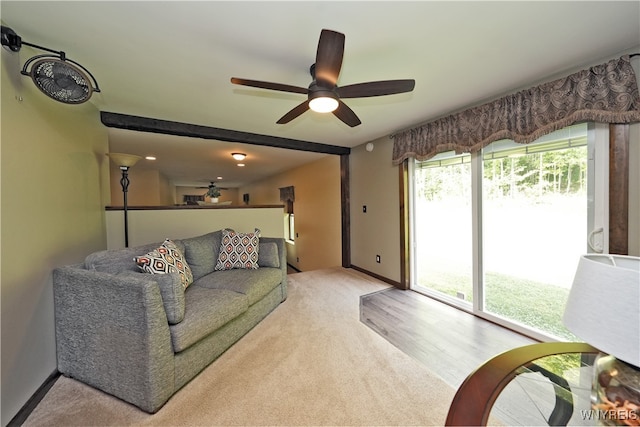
(172, 60)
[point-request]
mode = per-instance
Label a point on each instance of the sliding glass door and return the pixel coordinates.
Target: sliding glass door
(534, 226)
(500, 232)
(443, 249)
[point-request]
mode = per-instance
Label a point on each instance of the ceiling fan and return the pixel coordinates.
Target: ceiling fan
(213, 184)
(323, 94)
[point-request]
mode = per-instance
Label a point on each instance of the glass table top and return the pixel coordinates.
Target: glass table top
(552, 390)
(536, 384)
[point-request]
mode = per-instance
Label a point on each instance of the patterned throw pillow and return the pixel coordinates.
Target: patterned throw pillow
(166, 259)
(238, 250)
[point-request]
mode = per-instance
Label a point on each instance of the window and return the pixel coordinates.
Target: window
(289, 227)
(287, 196)
(500, 232)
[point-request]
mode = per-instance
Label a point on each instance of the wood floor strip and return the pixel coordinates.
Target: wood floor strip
(450, 342)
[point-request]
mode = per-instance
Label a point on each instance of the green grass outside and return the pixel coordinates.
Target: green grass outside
(534, 304)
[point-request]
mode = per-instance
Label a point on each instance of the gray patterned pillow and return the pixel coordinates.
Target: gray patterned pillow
(201, 253)
(268, 255)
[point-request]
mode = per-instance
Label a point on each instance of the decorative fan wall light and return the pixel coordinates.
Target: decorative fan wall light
(54, 74)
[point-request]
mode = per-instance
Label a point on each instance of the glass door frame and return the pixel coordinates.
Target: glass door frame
(597, 225)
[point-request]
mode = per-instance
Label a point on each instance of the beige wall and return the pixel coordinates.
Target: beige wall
(150, 188)
(146, 187)
(54, 174)
(166, 192)
(317, 211)
(374, 184)
(149, 226)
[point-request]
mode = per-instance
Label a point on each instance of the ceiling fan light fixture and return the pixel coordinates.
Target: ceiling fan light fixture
(323, 104)
(323, 94)
(238, 156)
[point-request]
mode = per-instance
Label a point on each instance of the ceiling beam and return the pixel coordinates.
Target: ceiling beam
(145, 124)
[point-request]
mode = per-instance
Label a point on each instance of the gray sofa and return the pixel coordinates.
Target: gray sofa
(140, 336)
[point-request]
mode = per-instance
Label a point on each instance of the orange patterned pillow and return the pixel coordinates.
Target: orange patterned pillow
(166, 259)
(238, 250)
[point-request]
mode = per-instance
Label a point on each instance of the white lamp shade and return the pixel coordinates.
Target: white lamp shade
(603, 307)
(123, 159)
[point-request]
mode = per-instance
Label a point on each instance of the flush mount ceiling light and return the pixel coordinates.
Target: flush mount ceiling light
(55, 75)
(238, 156)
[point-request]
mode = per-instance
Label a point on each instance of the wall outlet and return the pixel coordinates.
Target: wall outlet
(378, 259)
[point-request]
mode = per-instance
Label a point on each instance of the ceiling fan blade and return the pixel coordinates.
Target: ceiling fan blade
(268, 85)
(295, 112)
(329, 56)
(383, 87)
(346, 114)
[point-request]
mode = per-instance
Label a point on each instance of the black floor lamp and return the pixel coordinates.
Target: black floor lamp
(124, 162)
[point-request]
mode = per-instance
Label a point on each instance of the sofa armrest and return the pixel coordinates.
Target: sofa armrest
(282, 254)
(112, 333)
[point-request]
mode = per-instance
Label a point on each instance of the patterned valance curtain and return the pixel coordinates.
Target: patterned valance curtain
(287, 196)
(606, 93)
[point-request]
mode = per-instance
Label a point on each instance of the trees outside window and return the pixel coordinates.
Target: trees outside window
(511, 251)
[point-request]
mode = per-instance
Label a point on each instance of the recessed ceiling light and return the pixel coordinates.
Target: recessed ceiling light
(150, 158)
(241, 164)
(238, 156)
(219, 177)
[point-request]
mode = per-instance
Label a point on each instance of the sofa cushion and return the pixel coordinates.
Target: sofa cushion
(201, 253)
(268, 255)
(114, 261)
(166, 258)
(206, 310)
(255, 284)
(171, 291)
(238, 250)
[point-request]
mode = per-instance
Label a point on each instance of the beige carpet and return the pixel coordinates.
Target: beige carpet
(310, 362)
